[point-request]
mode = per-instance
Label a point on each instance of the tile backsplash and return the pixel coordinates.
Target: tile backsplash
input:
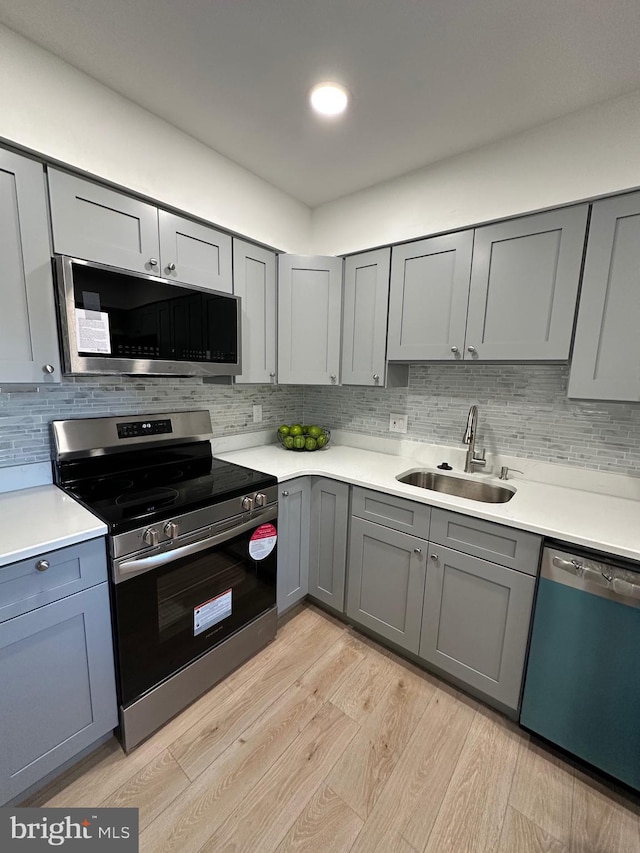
(523, 411)
(25, 414)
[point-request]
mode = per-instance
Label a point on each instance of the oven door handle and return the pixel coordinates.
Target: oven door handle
(145, 564)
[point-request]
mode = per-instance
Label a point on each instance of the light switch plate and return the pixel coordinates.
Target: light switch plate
(398, 423)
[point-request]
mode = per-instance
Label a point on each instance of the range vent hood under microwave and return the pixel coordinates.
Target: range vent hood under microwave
(113, 322)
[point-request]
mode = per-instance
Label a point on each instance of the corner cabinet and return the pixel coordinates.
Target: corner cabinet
(99, 224)
(58, 692)
(605, 363)
(502, 292)
(254, 281)
(293, 542)
(309, 314)
(364, 322)
(328, 541)
(28, 336)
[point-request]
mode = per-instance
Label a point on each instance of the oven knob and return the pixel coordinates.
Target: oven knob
(261, 499)
(247, 503)
(150, 536)
(171, 530)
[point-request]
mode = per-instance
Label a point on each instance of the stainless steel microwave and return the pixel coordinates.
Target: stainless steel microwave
(113, 321)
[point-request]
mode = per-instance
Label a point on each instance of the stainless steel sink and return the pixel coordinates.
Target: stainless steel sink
(469, 489)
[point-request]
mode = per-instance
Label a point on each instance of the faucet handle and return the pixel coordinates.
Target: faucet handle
(504, 472)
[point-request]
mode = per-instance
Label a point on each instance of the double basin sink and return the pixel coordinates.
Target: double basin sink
(449, 485)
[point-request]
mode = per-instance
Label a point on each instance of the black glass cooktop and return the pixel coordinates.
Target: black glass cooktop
(133, 488)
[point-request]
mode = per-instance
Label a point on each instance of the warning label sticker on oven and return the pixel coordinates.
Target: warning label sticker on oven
(263, 541)
(211, 612)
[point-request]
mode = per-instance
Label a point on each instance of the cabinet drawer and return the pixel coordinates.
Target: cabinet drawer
(397, 513)
(515, 549)
(24, 587)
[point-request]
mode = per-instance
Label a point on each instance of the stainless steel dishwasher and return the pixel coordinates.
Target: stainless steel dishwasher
(582, 687)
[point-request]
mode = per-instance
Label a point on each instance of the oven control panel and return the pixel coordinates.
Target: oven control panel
(134, 429)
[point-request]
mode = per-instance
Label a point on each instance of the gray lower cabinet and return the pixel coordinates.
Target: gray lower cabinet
(99, 224)
(294, 500)
(58, 692)
(475, 622)
(28, 336)
(309, 315)
(254, 281)
(386, 582)
(605, 364)
(364, 322)
(328, 541)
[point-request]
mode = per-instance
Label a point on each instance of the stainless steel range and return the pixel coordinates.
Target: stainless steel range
(192, 549)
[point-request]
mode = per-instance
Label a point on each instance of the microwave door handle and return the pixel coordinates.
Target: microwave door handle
(144, 564)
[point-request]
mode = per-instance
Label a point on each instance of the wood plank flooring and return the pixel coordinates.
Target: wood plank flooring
(326, 743)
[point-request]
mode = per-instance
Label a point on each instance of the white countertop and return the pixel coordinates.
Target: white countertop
(600, 521)
(41, 519)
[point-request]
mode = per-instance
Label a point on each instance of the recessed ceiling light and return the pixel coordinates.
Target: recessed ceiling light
(329, 99)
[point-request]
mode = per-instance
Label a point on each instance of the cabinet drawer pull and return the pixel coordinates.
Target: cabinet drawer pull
(434, 556)
(285, 494)
(417, 550)
(454, 349)
(171, 267)
(153, 262)
(48, 368)
(42, 565)
(471, 349)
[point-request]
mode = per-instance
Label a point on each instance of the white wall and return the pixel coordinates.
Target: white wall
(588, 153)
(48, 106)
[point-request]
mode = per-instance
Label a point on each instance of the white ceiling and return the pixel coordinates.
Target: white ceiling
(429, 78)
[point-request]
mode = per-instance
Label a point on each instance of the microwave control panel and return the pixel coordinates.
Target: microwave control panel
(134, 429)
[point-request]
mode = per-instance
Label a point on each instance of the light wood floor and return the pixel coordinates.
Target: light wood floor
(325, 742)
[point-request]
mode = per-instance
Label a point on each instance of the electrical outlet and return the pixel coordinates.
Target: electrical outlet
(257, 414)
(398, 423)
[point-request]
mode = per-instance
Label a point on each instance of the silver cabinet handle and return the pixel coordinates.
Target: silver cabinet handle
(42, 565)
(333, 378)
(285, 494)
(454, 349)
(272, 376)
(417, 550)
(171, 267)
(153, 262)
(434, 556)
(48, 368)
(376, 377)
(471, 349)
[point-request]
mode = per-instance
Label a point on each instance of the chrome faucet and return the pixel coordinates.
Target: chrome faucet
(469, 438)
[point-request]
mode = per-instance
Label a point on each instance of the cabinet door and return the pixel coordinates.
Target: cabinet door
(58, 690)
(475, 623)
(194, 253)
(386, 582)
(428, 299)
(605, 363)
(102, 225)
(328, 541)
(28, 338)
(309, 309)
(364, 333)
(293, 542)
(254, 281)
(524, 286)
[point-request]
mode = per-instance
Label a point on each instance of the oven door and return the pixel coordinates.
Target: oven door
(181, 603)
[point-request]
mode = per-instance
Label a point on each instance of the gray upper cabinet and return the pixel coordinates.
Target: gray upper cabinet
(28, 337)
(364, 322)
(328, 541)
(194, 253)
(429, 296)
(605, 363)
(99, 224)
(254, 281)
(309, 313)
(524, 286)
(506, 292)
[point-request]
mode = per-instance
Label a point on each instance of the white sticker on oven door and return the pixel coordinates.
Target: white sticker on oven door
(92, 331)
(263, 541)
(211, 612)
